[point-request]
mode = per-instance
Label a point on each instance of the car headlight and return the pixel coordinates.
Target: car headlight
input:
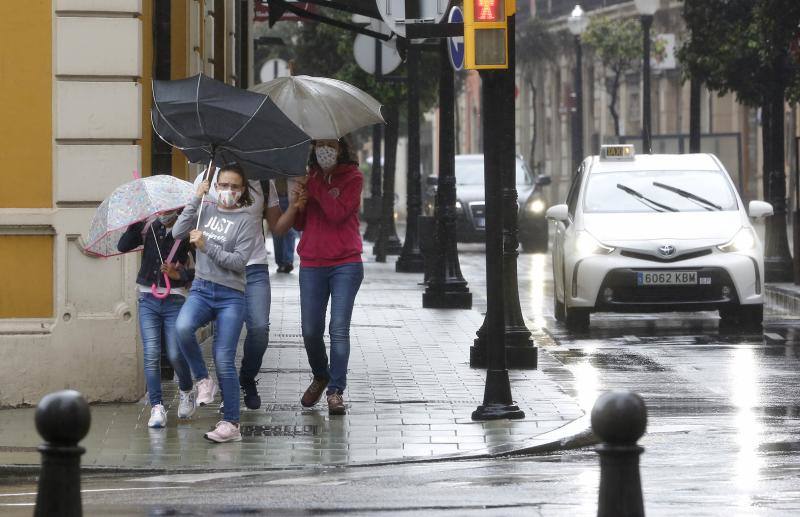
(744, 240)
(585, 244)
(458, 205)
(537, 206)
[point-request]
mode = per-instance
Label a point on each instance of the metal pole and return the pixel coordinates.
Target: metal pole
(647, 144)
(373, 205)
(411, 260)
(521, 353)
(694, 117)
(388, 243)
(498, 101)
(577, 126)
(446, 288)
(778, 265)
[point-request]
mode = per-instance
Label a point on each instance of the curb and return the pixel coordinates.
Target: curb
(573, 435)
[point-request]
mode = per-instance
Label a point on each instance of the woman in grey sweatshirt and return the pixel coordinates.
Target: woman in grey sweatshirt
(224, 240)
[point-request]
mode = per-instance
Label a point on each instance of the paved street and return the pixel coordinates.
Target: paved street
(722, 437)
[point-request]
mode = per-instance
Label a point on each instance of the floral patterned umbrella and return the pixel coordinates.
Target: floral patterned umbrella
(130, 203)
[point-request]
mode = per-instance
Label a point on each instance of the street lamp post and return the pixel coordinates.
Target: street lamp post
(646, 9)
(576, 23)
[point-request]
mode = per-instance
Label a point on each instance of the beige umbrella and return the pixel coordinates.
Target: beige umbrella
(324, 108)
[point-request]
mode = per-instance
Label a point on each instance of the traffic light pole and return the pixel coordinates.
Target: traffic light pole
(521, 353)
(498, 129)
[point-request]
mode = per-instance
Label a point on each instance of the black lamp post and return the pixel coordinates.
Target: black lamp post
(520, 350)
(646, 8)
(446, 288)
(576, 23)
(411, 260)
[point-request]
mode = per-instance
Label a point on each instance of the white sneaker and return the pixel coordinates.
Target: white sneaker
(188, 403)
(224, 432)
(158, 417)
(206, 390)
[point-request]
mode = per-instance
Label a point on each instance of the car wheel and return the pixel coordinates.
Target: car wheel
(748, 317)
(576, 318)
(558, 307)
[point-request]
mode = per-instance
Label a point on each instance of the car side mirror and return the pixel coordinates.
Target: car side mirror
(431, 181)
(557, 212)
(759, 209)
(543, 181)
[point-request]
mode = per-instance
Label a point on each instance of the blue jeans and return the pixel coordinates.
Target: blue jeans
(284, 244)
(317, 285)
(257, 299)
(154, 316)
(211, 301)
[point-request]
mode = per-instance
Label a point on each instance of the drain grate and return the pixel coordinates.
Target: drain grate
(454, 402)
(282, 407)
(11, 448)
(279, 430)
(284, 370)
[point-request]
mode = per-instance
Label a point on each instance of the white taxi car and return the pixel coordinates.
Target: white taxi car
(656, 233)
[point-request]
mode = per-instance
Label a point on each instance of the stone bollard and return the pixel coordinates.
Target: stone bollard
(62, 419)
(619, 419)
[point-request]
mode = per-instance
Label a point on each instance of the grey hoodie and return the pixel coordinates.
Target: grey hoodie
(230, 236)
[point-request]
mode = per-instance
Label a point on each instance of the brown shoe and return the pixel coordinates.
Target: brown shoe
(314, 392)
(336, 404)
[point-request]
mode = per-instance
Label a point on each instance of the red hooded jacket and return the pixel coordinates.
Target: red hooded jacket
(330, 226)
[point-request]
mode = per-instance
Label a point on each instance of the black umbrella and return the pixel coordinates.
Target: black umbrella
(211, 121)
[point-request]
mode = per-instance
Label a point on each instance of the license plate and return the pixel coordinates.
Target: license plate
(666, 278)
(480, 222)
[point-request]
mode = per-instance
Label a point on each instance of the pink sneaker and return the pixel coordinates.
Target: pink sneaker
(225, 432)
(206, 390)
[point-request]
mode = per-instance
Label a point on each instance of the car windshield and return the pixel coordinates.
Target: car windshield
(659, 191)
(470, 172)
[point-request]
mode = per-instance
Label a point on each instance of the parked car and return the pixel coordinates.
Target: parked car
(656, 233)
(470, 204)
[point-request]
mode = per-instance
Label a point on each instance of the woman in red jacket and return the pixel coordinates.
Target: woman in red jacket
(330, 266)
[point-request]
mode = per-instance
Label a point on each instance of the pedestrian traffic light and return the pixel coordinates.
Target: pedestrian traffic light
(486, 33)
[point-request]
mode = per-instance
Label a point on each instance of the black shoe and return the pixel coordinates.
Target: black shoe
(285, 268)
(251, 398)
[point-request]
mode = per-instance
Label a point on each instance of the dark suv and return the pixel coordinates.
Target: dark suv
(470, 204)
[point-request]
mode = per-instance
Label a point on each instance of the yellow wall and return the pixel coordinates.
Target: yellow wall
(26, 108)
(146, 142)
(179, 60)
(26, 276)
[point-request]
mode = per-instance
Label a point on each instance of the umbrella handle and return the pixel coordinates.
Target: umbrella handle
(202, 199)
(154, 288)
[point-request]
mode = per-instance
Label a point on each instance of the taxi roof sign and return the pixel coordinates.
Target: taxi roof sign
(617, 152)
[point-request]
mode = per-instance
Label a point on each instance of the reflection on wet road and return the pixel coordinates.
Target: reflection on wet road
(724, 406)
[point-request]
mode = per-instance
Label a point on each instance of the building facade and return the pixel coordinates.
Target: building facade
(75, 97)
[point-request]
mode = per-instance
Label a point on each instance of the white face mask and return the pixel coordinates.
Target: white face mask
(168, 219)
(326, 156)
(228, 198)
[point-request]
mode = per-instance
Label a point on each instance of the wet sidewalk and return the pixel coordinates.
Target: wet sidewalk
(410, 396)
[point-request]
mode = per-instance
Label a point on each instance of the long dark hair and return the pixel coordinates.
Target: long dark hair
(345, 154)
(247, 198)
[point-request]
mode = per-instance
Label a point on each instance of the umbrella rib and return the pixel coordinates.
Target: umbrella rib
(266, 149)
(165, 119)
(197, 111)
(252, 116)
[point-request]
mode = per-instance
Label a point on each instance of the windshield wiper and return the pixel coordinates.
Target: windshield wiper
(689, 195)
(646, 200)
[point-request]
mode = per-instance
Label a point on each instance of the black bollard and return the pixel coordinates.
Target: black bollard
(619, 419)
(62, 419)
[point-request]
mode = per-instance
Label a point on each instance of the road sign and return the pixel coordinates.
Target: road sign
(273, 69)
(364, 52)
(456, 45)
(393, 13)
